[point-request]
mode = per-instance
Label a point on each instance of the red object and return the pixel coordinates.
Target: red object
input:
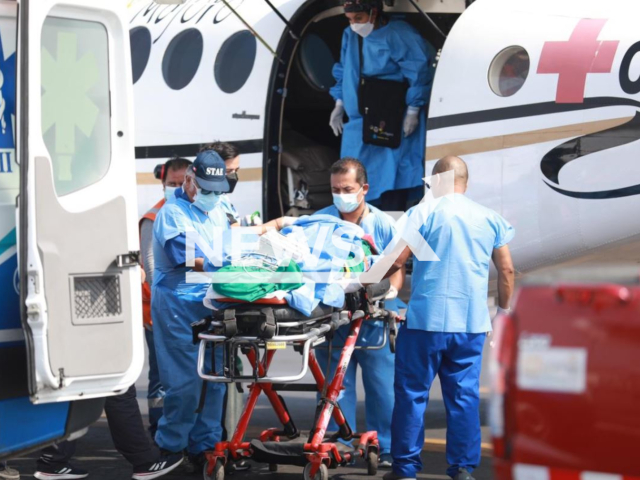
(574, 59)
(261, 301)
(591, 421)
(316, 452)
(146, 290)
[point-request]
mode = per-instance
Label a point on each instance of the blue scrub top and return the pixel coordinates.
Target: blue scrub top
(451, 295)
(377, 224)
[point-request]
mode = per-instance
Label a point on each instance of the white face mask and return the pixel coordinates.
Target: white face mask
(362, 29)
(347, 202)
(169, 193)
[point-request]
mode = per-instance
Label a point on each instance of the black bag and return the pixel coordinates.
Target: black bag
(382, 104)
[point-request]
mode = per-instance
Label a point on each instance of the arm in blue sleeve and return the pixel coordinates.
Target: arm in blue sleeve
(504, 232)
(409, 50)
(176, 250)
(338, 70)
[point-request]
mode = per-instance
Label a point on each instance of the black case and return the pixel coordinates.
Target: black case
(382, 104)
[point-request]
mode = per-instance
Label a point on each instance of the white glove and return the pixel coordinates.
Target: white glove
(287, 221)
(392, 294)
(350, 285)
(411, 121)
(337, 118)
(502, 311)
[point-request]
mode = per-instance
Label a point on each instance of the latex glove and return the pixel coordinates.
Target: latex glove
(502, 311)
(337, 118)
(350, 285)
(392, 294)
(411, 121)
(287, 221)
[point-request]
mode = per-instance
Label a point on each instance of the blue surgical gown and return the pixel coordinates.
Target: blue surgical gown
(175, 304)
(397, 52)
(450, 295)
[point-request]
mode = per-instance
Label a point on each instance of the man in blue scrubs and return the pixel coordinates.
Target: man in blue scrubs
(392, 50)
(447, 323)
(176, 303)
(350, 186)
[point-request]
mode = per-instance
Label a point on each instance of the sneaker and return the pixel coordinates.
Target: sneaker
(386, 461)
(195, 463)
(166, 463)
(68, 472)
(463, 474)
(7, 473)
(240, 466)
(394, 476)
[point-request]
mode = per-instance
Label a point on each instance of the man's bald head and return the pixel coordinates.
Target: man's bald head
(459, 167)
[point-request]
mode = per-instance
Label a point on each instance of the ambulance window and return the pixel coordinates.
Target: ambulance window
(76, 110)
(509, 71)
(317, 62)
(140, 39)
(235, 60)
(182, 58)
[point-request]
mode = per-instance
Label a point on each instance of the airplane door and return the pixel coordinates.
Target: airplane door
(77, 225)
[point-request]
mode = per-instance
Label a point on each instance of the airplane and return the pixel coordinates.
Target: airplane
(538, 96)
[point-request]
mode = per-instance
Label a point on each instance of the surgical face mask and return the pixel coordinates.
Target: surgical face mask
(169, 193)
(206, 203)
(232, 178)
(362, 29)
(347, 202)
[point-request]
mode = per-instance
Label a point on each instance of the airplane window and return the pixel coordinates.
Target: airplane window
(317, 62)
(509, 71)
(235, 60)
(140, 39)
(182, 58)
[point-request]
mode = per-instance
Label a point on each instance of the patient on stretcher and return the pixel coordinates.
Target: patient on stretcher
(301, 265)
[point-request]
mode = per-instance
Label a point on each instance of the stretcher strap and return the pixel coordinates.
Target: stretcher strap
(268, 328)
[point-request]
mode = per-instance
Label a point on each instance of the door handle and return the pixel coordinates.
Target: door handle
(128, 260)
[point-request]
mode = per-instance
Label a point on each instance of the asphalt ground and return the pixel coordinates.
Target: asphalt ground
(96, 453)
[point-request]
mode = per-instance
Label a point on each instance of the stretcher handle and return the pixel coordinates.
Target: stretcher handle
(377, 291)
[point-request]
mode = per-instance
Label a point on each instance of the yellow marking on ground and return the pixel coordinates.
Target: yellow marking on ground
(439, 445)
(490, 144)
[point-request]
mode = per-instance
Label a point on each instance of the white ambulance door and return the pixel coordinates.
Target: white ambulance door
(80, 286)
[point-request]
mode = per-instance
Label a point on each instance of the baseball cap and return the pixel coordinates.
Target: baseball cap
(211, 172)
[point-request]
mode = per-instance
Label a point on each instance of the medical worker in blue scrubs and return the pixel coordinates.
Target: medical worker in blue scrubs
(176, 303)
(350, 186)
(392, 50)
(447, 323)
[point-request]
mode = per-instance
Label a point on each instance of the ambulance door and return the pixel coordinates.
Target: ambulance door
(79, 278)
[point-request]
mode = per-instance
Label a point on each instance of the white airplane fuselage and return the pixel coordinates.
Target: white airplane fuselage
(539, 97)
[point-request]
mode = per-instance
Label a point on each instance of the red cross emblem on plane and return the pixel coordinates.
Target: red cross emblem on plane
(574, 59)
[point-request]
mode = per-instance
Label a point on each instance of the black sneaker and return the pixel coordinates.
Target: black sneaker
(68, 472)
(463, 474)
(195, 463)
(166, 463)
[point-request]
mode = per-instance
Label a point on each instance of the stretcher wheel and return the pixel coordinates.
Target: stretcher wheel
(372, 463)
(218, 471)
(273, 467)
(321, 474)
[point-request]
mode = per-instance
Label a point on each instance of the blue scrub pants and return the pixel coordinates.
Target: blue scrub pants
(155, 392)
(377, 376)
(180, 426)
(457, 359)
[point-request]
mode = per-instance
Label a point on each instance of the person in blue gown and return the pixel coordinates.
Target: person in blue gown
(392, 50)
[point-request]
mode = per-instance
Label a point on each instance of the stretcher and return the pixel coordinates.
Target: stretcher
(258, 330)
